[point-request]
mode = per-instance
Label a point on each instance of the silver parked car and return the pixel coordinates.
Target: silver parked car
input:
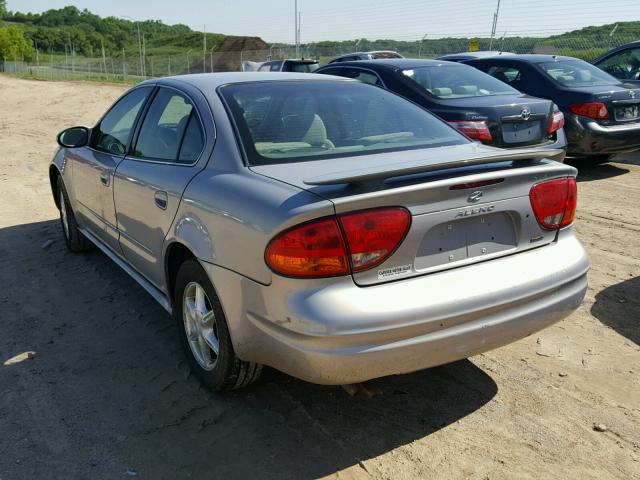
(319, 225)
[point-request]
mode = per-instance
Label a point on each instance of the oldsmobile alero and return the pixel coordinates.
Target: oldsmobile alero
(318, 225)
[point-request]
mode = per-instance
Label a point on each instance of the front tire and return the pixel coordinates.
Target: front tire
(204, 332)
(73, 237)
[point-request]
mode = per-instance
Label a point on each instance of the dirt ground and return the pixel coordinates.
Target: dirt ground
(106, 392)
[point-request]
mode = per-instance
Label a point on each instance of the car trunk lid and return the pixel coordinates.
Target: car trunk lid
(514, 121)
(471, 204)
(622, 102)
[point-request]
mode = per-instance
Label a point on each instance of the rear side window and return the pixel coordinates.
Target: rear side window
(509, 75)
(164, 127)
(113, 133)
(280, 122)
(577, 73)
(192, 142)
(363, 76)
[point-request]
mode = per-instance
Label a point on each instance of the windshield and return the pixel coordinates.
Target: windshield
(457, 81)
(577, 73)
(299, 121)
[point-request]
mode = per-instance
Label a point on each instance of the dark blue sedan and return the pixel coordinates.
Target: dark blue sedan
(602, 114)
(475, 103)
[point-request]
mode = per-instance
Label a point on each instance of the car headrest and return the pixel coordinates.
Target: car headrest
(442, 91)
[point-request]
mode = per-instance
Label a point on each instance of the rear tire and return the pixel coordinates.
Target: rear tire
(204, 332)
(73, 237)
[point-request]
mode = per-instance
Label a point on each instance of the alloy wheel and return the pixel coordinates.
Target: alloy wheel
(200, 326)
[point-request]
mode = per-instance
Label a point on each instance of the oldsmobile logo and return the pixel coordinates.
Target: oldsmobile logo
(525, 113)
(475, 196)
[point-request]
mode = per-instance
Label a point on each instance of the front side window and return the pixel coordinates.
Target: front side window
(282, 122)
(623, 65)
(163, 129)
(113, 133)
(577, 73)
(457, 81)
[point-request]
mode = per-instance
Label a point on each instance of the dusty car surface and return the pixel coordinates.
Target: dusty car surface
(322, 226)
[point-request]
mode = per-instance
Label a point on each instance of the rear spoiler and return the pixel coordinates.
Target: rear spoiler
(381, 172)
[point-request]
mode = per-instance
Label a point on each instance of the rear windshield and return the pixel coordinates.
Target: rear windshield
(379, 55)
(577, 73)
(294, 121)
(302, 67)
(457, 81)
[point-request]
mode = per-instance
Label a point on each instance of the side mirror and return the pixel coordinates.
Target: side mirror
(73, 137)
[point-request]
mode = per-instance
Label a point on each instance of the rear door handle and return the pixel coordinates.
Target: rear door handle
(105, 178)
(160, 197)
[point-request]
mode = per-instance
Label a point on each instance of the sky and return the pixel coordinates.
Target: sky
(273, 20)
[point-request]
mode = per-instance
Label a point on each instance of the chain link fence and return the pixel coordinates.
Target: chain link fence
(130, 68)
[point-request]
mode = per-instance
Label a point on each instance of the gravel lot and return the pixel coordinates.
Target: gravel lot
(106, 393)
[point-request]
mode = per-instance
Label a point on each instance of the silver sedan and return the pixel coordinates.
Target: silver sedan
(321, 226)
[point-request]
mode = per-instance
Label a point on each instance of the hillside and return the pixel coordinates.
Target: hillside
(57, 31)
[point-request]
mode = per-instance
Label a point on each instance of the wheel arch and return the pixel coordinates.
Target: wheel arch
(54, 174)
(175, 255)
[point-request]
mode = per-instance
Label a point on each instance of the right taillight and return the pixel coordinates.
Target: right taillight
(596, 110)
(554, 202)
(557, 122)
(351, 242)
(476, 129)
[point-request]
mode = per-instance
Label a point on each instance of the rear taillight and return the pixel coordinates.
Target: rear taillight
(373, 235)
(554, 202)
(597, 110)
(314, 249)
(337, 246)
(476, 130)
(557, 122)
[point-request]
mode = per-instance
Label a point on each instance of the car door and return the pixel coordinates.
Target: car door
(624, 65)
(149, 183)
(93, 166)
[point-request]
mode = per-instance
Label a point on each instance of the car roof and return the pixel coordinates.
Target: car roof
(621, 48)
(478, 54)
(527, 58)
(213, 80)
(394, 63)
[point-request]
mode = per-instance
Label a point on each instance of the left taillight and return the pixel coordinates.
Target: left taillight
(557, 122)
(476, 129)
(351, 242)
(554, 202)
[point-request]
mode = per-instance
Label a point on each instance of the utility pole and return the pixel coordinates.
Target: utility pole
(104, 58)
(495, 24)
(420, 46)
(295, 32)
(204, 49)
(611, 34)
(299, 26)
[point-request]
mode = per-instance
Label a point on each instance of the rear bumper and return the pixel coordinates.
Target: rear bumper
(587, 137)
(333, 332)
(559, 144)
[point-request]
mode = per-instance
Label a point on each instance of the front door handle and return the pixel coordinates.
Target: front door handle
(105, 178)
(160, 197)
